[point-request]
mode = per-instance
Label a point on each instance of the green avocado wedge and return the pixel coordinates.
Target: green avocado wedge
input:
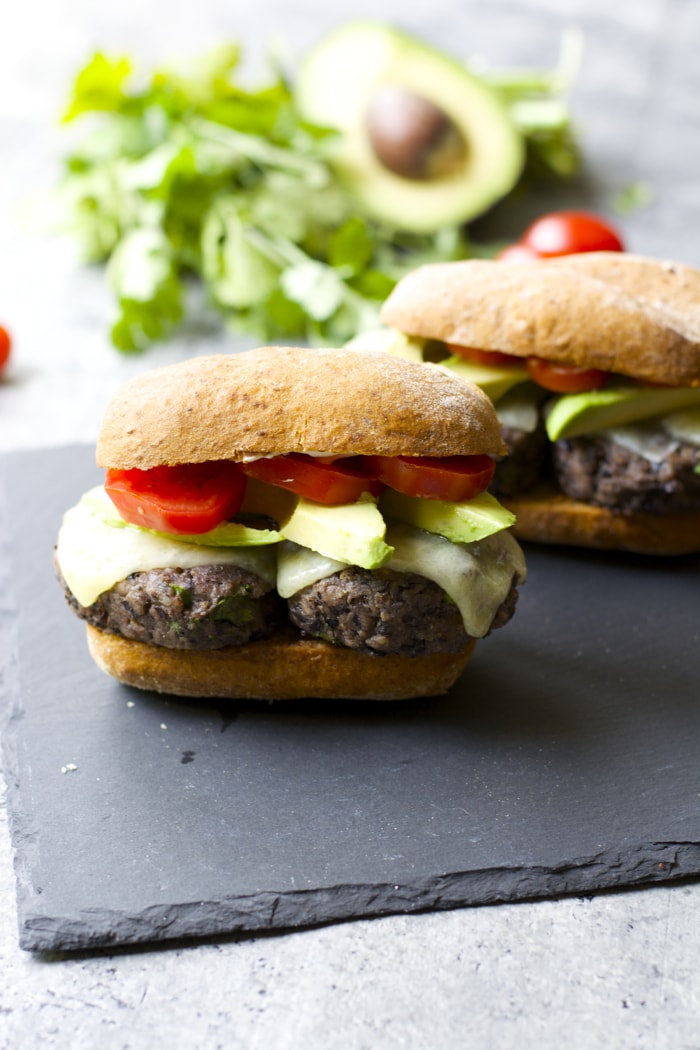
(495, 382)
(352, 532)
(422, 142)
(228, 534)
(464, 522)
(575, 414)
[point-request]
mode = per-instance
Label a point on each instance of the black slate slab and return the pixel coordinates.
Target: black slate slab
(565, 760)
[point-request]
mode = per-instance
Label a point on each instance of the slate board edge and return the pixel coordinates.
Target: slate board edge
(266, 912)
(11, 710)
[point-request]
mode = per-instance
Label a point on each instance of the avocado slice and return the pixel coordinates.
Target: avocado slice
(612, 406)
(352, 533)
(275, 506)
(495, 382)
(459, 522)
(390, 341)
(423, 143)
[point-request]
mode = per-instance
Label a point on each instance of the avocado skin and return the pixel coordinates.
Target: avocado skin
(335, 87)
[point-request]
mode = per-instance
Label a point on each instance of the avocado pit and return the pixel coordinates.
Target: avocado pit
(412, 136)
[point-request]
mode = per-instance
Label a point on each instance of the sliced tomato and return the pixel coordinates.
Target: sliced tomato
(492, 358)
(565, 379)
(190, 498)
(453, 478)
(332, 483)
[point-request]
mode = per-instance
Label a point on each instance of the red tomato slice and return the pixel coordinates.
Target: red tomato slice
(190, 498)
(493, 358)
(453, 478)
(570, 232)
(5, 347)
(330, 483)
(519, 253)
(564, 379)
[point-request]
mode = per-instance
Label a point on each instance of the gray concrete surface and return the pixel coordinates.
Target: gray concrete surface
(619, 970)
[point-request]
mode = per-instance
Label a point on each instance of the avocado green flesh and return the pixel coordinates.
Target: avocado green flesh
(351, 533)
(335, 86)
(228, 534)
(575, 414)
(464, 522)
(389, 340)
(495, 382)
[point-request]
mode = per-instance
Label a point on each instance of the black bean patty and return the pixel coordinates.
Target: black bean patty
(207, 607)
(383, 612)
(527, 463)
(597, 470)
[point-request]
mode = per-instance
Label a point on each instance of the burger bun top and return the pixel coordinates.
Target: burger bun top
(613, 311)
(276, 400)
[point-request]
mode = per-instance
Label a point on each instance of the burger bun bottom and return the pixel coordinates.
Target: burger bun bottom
(548, 516)
(283, 667)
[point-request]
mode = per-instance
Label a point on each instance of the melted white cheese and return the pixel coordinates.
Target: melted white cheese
(476, 576)
(94, 555)
(656, 439)
(299, 567)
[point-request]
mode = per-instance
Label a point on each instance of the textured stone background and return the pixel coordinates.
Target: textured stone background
(618, 970)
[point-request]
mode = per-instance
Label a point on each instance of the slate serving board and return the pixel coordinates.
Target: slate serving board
(564, 761)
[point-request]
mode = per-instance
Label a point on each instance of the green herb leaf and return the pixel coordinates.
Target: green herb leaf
(99, 86)
(190, 173)
(143, 275)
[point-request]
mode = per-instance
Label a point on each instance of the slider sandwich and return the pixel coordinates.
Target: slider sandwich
(287, 523)
(593, 364)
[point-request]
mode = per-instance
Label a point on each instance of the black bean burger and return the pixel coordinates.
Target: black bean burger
(288, 523)
(593, 364)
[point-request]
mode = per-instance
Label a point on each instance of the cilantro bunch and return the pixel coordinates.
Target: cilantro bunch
(187, 174)
(190, 174)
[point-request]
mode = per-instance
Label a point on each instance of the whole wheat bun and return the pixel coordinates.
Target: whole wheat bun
(276, 400)
(267, 402)
(612, 310)
(546, 515)
(284, 667)
(625, 314)
(668, 286)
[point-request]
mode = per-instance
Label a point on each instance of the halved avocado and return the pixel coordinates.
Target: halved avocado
(423, 144)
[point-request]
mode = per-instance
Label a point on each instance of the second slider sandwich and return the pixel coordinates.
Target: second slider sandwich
(593, 363)
(291, 523)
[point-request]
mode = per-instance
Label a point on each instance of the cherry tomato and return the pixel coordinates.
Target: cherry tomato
(190, 498)
(493, 358)
(453, 478)
(330, 483)
(564, 379)
(569, 232)
(519, 253)
(5, 347)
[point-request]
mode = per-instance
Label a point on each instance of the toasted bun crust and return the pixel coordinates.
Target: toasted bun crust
(276, 400)
(548, 516)
(284, 667)
(617, 317)
(665, 285)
